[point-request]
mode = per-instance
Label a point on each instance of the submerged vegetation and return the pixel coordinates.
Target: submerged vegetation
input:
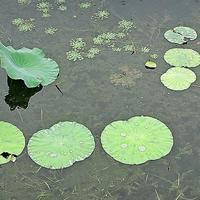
(126, 77)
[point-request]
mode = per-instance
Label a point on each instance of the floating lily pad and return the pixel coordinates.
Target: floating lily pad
(29, 65)
(61, 145)
(179, 57)
(12, 142)
(178, 78)
(137, 140)
(180, 35)
(150, 64)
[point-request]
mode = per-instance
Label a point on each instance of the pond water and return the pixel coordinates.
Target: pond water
(89, 96)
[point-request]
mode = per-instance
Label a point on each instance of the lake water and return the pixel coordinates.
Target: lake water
(90, 98)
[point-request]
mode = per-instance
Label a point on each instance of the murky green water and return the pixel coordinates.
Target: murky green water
(90, 98)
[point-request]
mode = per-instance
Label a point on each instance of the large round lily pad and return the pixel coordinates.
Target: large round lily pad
(12, 141)
(137, 140)
(180, 34)
(61, 145)
(29, 65)
(179, 57)
(178, 78)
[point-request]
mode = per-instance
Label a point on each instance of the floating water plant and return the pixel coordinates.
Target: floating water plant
(180, 35)
(145, 49)
(29, 65)
(178, 78)
(154, 56)
(74, 55)
(150, 64)
(137, 140)
(126, 78)
(61, 5)
(44, 7)
(24, 25)
(24, 2)
(179, 57)
(61, 145)
(102, 14)
(129, 47)
(104, 38)
(50, 30)
(92, 52)
(85, 5)
(12, 142)
(77, 44)
(126, 25)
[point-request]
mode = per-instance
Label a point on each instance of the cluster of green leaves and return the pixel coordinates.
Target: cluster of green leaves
(50, 30)
(77, 53)
(44, 7)
(61, 5)
(24, 25)
(24, 2)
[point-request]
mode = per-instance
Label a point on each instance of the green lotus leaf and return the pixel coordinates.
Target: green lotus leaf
(137, 140)
(61, 145)
(178, 78)
(179, 57)
(30, 65)
(180, 35)
(12, 141)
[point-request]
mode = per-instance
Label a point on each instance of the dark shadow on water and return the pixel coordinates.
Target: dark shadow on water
(19, 95)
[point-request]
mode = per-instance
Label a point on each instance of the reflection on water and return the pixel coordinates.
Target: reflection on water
(18, 94)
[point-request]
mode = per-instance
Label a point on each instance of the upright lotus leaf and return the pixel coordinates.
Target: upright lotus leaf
(180, 34)
(12, 141)
(61, 145)
(29, 65)
(178, 78)
(179, 57)
(137, 140)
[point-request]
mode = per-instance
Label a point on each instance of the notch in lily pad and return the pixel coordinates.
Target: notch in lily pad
(29, 65)
(12, 142)
(61, 146)
(180, 35)
(137, 140)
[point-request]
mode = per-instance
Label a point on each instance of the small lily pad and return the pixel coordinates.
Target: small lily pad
(179, 57)
(61, 145)
(178, 78)
(137, 140)
(150, 64)
(180, 35)
(12, 142)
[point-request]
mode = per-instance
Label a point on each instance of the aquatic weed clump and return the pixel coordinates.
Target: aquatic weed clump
(85, 5)
(126, 25)
(74, 55)
(102, 14)
(24, 25)
(92, 52)
(77, 44)
(50, 30)
(44, 7)
(24, 2)
(61, 5)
